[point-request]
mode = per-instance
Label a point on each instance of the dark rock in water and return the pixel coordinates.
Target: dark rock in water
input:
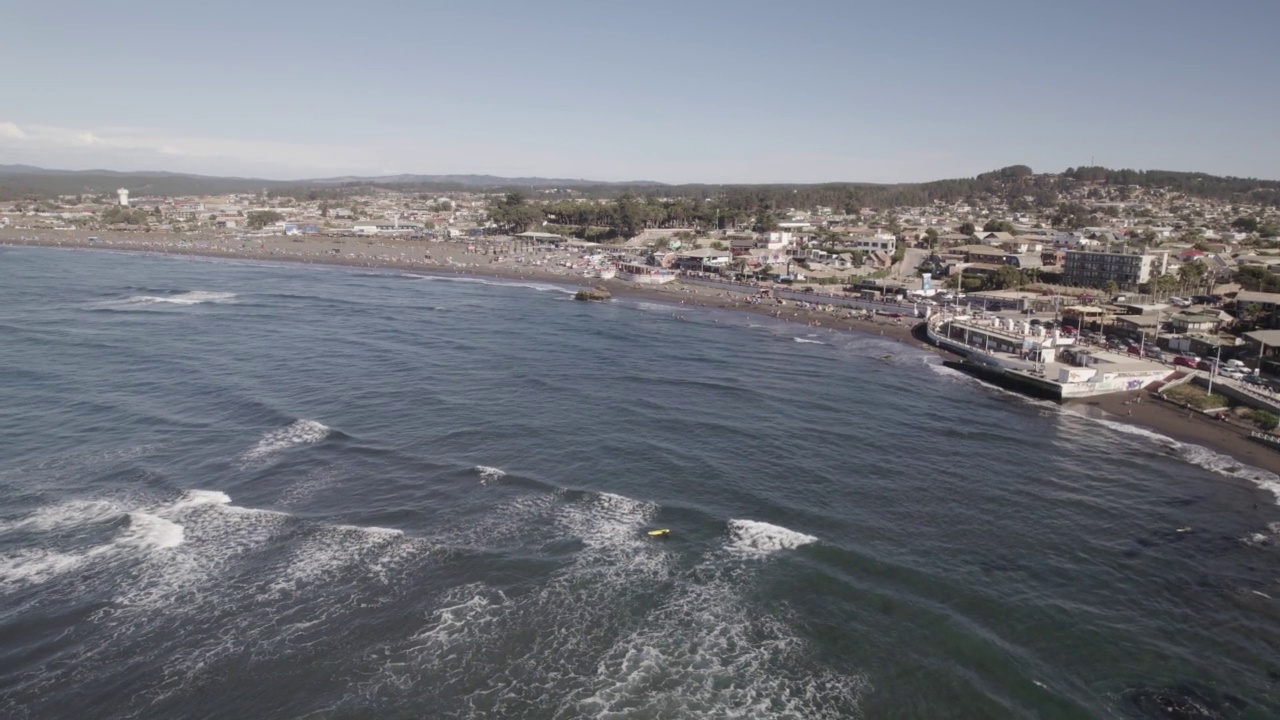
(599, 293)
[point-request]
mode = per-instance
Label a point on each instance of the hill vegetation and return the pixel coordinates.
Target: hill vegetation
(1016, 185)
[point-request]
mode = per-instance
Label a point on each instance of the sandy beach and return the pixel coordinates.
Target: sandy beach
(461, 258)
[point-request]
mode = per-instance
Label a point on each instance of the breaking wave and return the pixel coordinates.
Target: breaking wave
(807, 341)
(1198, 455)
(193, 297)
(540, 287)
(762, 538)
(489, 475)
(693, 647)
(298, 432)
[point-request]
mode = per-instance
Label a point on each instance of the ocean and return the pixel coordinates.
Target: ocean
(237, 489)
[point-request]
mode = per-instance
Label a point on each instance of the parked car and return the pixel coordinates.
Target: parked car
(1133, 350)
(1120, 299)
(1207, 365)
(1184, 361)
(1153, 352)
(1233, 373)
(1236, 365)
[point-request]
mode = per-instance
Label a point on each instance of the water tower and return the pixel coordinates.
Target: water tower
(124, 197)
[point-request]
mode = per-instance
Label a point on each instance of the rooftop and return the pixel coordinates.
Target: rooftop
(1270, 338)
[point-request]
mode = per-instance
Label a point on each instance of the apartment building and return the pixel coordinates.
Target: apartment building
(1127, 270)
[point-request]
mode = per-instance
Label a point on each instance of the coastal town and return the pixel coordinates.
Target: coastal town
(1114, 291)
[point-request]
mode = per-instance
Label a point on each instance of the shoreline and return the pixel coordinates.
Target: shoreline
(1150, 414)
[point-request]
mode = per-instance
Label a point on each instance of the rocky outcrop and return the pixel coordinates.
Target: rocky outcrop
(598, 293)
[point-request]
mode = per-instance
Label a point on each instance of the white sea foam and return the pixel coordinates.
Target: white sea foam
(705, 653)
(1199, 455)
(147, 530)
(607, 521)
(215, 535)
(67, 514)
(947, 372)
(762, 538)
(36, 566)
(807, 341)
(194, 297)
(699, 650)
(1256, 539)
(298, 432)
(489, 475)
(330, 555)
(464, 611)
(540, 287)
(193, 498)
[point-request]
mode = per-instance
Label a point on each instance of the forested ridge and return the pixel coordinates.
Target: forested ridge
(1016, 185)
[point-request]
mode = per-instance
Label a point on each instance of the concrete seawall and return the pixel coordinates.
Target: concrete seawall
(908, 309)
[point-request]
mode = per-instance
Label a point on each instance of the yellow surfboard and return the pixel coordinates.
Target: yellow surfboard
(660, 533)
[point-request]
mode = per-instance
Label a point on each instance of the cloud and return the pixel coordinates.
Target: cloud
(11, 131)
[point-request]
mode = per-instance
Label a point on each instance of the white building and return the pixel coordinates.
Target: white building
(124, 197)
(382, 227)
(870, 243)
(778, 240)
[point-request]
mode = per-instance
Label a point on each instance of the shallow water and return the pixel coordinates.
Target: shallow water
(253, 490)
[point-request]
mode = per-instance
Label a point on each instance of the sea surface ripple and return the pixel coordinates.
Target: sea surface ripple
(251, 490)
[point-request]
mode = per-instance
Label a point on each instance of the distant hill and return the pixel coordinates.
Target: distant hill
(1013, 183)
(479, 181)
(21, 181)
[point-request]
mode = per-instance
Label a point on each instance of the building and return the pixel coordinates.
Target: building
(703, 259)
(124, 197)
(1095, 268)
(1261, 308)
(870, 243)
(387, 228)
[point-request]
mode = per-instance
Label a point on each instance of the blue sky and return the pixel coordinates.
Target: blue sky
(693, 91)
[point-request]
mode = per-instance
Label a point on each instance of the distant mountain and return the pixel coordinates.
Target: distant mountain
(19, 181)
(481, 181)
(1014, 184)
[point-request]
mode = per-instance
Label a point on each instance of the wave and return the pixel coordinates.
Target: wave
(1197, 455)
(540, 287)
(683, 644)
(489, 475)
(193, 297)
(706, 653)
(67, 514)
(762, 538)
(147, 530)
(36, 566)
(936, 367)
(298, 432)
(324, 563)
(807, 341)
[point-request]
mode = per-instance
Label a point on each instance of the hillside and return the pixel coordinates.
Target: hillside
(1015, 184)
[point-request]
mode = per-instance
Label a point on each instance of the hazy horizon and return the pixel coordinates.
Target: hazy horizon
(711, 93)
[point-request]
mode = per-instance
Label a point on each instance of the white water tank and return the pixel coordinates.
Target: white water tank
(124, 197)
